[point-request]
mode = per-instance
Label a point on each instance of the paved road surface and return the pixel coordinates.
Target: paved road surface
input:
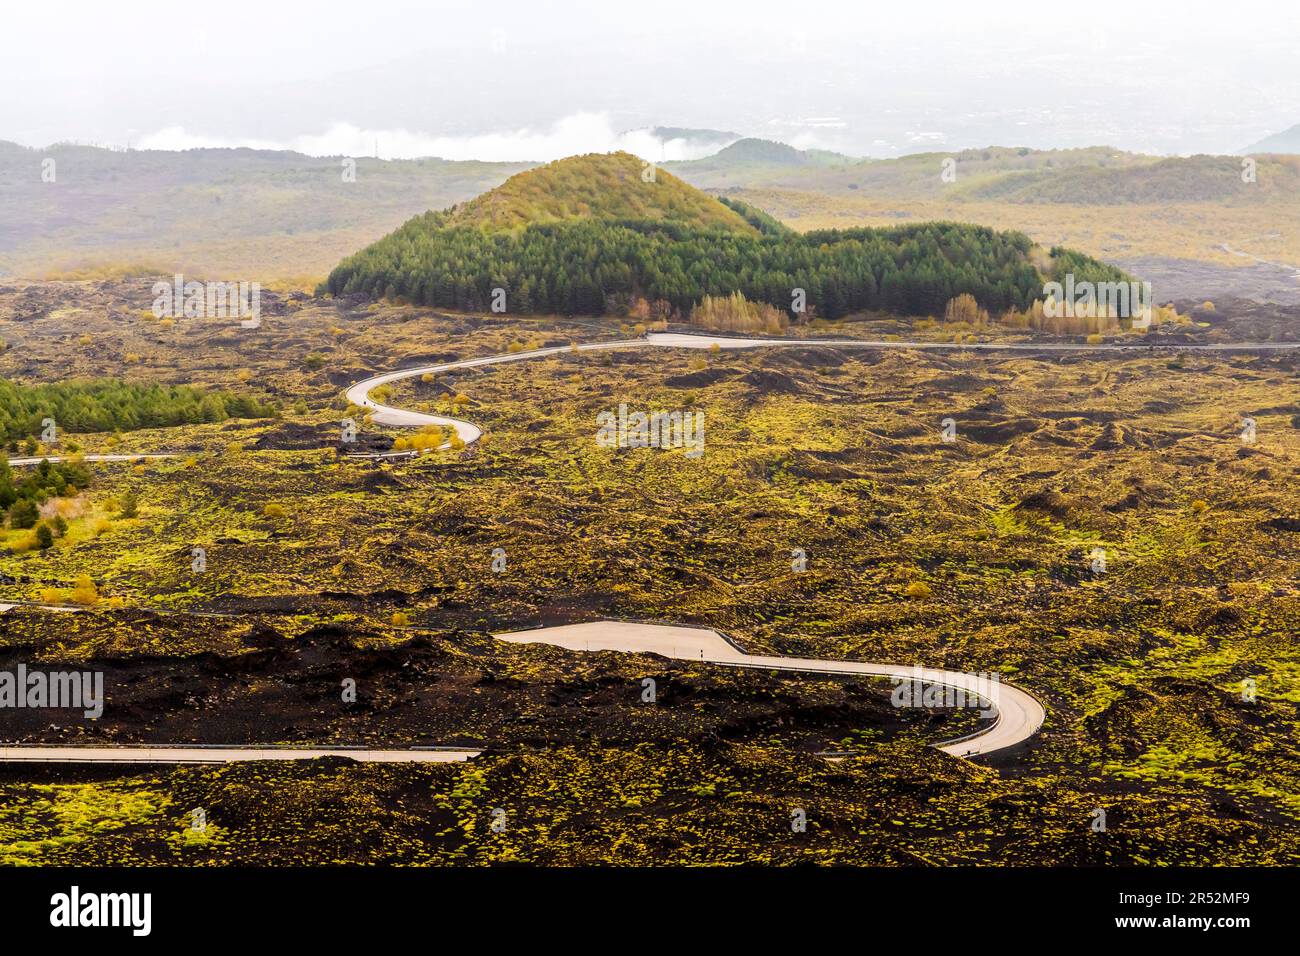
(37, 459)
(1018, 714)
(142, 754)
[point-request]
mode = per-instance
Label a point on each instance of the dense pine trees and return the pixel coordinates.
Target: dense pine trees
(109, 405)
(594, 266)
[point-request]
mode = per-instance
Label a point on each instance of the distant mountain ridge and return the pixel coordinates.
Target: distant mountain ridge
(1287, 141)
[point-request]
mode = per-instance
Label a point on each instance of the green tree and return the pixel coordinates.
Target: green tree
(24, 514)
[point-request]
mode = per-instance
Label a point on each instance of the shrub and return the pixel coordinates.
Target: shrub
(85, 592)
(44, 537)
(964, 308)
(919, 589)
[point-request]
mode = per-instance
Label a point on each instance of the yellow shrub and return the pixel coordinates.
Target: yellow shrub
(85, 592)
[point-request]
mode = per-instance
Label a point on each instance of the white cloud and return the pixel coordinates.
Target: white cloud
(578, 133)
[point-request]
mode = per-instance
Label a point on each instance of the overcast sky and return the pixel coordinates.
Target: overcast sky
(537, 80)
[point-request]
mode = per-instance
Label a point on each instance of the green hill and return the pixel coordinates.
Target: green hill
(596, 186)
(589, 235)
(755, 156)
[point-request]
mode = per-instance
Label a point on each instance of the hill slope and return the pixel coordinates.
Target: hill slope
(588, 235)
(1287, 141)
(596, 186)
(213, 213)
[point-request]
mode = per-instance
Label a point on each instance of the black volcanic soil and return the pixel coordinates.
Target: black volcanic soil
(458, 689)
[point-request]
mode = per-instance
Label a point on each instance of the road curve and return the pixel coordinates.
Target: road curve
(359, 393)
(1018, 714)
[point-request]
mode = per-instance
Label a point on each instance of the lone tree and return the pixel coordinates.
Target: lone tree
(23, 514)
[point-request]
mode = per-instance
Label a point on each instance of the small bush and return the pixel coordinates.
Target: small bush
(85, 592)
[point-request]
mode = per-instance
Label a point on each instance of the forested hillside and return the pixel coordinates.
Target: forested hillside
(603, 260)
(111, 405)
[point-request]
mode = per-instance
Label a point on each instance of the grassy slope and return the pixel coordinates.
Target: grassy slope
(595, 186)
(213, 213)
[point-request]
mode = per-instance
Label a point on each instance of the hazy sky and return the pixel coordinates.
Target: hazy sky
(537, 80)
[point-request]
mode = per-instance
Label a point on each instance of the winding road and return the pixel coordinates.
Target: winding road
(1018, 714)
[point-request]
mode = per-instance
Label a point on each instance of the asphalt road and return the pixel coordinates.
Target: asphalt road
(1018, 714)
